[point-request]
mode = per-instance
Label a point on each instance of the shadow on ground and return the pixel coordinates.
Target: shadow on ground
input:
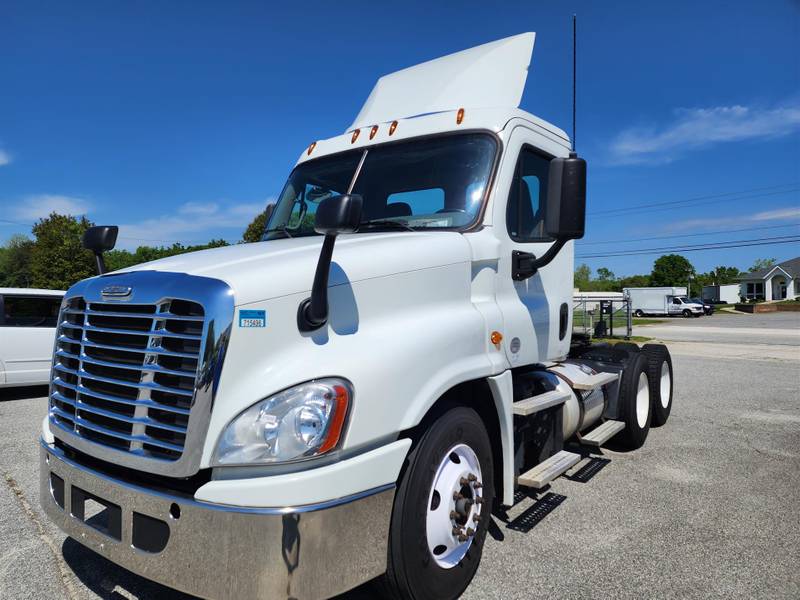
(22, 393)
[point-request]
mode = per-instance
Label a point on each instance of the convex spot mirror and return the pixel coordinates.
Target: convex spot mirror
(339, 214)
(565, 217)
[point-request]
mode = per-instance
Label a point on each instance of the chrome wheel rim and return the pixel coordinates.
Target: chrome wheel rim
(642, 401)
(454, 506)
(665, 384)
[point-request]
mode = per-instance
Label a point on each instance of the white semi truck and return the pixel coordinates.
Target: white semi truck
(348, 399)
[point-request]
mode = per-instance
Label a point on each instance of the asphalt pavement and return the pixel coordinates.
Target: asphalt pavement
(708, 508)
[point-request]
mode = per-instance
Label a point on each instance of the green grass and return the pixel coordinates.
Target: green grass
(581, 319)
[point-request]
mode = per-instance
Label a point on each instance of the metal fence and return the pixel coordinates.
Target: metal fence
(602, 316)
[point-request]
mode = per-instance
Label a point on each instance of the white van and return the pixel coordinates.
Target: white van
(28, 319)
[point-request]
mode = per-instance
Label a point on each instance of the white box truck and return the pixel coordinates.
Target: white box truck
(348, 399)
(662, 301)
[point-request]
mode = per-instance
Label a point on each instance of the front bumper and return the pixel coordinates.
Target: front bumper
(218, 551)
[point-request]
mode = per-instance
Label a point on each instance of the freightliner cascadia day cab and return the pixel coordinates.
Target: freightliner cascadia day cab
(350, 398)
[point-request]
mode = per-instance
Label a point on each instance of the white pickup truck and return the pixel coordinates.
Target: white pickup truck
(350, 398)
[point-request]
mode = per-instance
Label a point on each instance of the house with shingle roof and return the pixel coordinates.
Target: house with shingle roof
(778, 282)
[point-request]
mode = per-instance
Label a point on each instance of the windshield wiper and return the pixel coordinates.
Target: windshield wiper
(385, 223)
(284, 230)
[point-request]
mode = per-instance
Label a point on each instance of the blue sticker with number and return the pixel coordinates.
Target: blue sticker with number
(252, 318)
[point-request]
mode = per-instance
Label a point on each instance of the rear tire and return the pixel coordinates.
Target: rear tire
(634, 402)
(661, 381)
(638, 313)
(413, 570)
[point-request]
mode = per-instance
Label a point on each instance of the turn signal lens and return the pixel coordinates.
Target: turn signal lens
(459, 116)
(392, 127)
(496, 338)
(373, 131)
(355, 136)
(311, 148)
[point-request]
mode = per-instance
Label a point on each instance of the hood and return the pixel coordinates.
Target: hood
(275, 268)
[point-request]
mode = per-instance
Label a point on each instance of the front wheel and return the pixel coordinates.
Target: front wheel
(687, 313)
(441, 510)
(638, 312)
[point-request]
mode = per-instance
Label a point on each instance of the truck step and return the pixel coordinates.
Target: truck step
(595, 381)
(534, 404)
(543, 473)
(600, 435)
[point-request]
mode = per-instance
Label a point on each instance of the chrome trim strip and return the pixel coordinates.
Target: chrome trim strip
(83, 374)
(161, 316)
(146, 421)
(139, 332)
(155, 287)
(118, 365)
(144, 439)
(282, 510)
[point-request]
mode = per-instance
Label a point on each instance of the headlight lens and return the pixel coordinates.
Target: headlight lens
(305, 420)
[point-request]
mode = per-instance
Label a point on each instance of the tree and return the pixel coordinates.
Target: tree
(581, 277)
(763, 263)
(57, 259)
(15, 262)
(671, 270)
(604, 274)
(256, 228)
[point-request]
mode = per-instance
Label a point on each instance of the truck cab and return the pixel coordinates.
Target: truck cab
(349, 398)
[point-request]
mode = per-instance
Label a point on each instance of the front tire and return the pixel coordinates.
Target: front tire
(687, 313)
(638, 313)
(435, 543)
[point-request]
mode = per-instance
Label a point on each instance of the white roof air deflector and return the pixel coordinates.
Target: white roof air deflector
(489, 76)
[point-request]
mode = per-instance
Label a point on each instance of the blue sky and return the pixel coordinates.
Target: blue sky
(178, 120)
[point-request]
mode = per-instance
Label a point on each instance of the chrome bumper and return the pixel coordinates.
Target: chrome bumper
(217, 551)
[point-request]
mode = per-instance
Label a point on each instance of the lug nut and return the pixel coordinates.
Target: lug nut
(457, 496)
(462, 538)
(457, 531)
(477, 485)
(463, 481)
(470, 531)
(453, 515)
(478, 499)
(472, 477)
(476, 518)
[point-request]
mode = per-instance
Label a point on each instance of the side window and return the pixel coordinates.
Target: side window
(526, 200)
(415, 202)
(28, 311)
(676, 300)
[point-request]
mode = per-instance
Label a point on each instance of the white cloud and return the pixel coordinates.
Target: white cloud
(778, 214)
(192, 222)
(5, 158)
(39, 206)
(693, 128)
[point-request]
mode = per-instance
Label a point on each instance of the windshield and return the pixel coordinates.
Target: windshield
(429, 183)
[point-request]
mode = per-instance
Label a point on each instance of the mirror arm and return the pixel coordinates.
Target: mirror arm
(313, 312)
(101, 263)
(525, 264)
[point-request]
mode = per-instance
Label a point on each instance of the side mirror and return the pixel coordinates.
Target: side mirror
(565, 216)
(99, 239)
(339, 214)
(335, 215)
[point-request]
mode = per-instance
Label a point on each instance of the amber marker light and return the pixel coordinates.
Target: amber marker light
(311, 148)
(337, 422)
(355, 136)
(496, 338)
(459, 116)
(373, 131)
(392, 127)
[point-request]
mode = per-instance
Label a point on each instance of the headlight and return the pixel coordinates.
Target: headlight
(303, 421)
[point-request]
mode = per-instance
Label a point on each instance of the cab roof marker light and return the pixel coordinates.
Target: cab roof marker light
(392, 127)
(355, 136)
(373, 131)
(459, 116)
(311, 148)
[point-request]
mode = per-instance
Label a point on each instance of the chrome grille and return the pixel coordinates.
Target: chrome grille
(125, 375)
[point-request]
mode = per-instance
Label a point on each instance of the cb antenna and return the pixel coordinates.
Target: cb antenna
(574, 77)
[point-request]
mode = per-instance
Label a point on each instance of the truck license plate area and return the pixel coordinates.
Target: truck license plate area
(99, 514)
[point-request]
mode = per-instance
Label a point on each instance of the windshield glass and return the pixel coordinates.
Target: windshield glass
(430, 183)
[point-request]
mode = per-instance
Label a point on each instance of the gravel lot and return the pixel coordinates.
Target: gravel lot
(708, 508)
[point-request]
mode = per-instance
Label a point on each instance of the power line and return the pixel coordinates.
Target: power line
(699, 247)
(698, 200)
(669, 237)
